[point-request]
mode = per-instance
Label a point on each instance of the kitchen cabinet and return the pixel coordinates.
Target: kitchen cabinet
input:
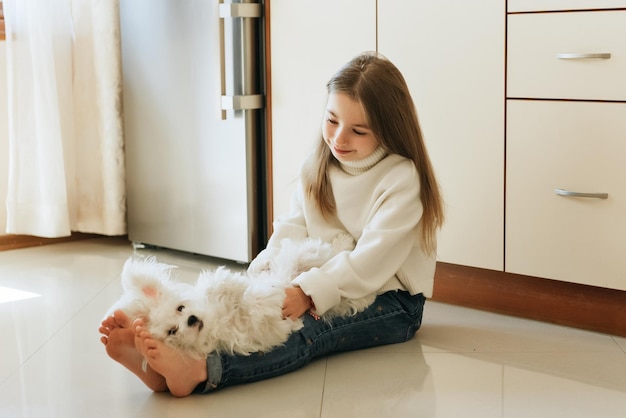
(567, 55)
(534, 6)
(566, 118)
(575, 146)
(555, 123)
(309, 42)
(452, 55)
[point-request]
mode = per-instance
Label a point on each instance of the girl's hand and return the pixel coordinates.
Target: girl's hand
(296, 303)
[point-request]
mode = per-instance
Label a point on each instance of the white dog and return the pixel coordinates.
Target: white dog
(226, 311)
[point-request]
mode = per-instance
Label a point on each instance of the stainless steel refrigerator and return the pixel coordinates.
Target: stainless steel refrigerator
(194, 125)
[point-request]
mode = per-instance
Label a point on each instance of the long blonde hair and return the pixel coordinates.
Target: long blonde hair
(379, 86)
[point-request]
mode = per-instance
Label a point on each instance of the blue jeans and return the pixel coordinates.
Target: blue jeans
(394, 317)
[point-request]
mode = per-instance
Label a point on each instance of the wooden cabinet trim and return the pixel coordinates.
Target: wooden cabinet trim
(2, 28)
(569, 304)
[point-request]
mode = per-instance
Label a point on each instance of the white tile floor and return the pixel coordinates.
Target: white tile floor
(463, 363)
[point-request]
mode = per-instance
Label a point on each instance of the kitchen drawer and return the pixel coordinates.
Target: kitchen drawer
(546, 5)
(535, 40)
(577, 146)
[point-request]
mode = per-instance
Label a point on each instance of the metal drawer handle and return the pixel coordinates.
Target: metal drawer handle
(563, 192)
(592, 55)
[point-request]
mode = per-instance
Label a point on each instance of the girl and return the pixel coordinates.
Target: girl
(369, 176)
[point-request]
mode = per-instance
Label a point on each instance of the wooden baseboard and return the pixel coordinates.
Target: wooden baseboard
(586, 307)
(13, 242)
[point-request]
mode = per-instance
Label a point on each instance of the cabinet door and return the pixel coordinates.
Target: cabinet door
(577, 147)
(578, 55)
(309, 42)
(451, 53)
(543, 5)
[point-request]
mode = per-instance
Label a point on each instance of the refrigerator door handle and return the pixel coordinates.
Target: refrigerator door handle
(242, 102)
(248, 99)
(240, 10)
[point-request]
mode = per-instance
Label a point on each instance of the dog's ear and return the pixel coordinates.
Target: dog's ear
(150, 291)
(145, 276)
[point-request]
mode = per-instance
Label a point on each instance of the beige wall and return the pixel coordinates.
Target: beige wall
(4, 139)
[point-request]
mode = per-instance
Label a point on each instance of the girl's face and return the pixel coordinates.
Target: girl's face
(345, 129)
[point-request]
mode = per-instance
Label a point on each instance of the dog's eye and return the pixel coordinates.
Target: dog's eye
(173, 331)
(181, 308)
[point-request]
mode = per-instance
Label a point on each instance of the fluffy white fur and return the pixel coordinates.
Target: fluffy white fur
(226, 311)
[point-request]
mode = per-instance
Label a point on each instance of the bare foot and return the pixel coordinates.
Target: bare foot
(119, 341)
(182, 373)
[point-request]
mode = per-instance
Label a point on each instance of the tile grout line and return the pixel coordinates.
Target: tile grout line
(323, 387)
(618, 344)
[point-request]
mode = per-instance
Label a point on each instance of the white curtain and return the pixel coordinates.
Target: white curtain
(66, 159)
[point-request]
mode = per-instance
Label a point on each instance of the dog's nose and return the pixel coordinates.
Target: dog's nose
(192, 320)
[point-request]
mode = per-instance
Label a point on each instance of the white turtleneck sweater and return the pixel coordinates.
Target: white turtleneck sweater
(377, 201)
